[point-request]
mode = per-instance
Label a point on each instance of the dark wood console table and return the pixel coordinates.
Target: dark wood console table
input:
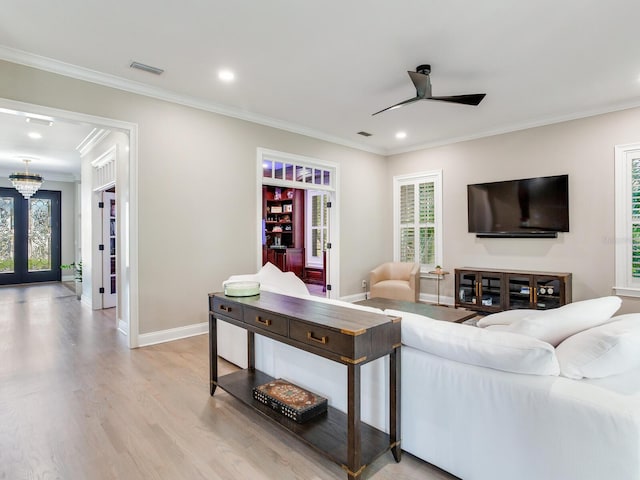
(348, 336)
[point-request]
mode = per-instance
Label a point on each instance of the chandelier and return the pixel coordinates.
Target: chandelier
(26, 183)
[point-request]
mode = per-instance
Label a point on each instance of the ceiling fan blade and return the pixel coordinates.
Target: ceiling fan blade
(473, 99)
(422, 83)
(398, 105)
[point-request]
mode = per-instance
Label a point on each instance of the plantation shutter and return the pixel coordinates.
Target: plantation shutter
(417, 222)
(635, 218)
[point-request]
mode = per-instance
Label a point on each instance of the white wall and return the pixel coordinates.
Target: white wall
(197, 193)
(584, 149)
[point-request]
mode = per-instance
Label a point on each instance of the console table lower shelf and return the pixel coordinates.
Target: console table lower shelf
(326, 433)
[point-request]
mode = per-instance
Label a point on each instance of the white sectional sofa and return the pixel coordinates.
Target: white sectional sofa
(490, 404)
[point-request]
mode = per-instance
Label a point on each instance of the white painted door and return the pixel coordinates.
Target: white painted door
(109, 297)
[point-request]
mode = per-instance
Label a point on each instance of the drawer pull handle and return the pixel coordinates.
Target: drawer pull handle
(266, 323)
(323, 340)
(224, 308)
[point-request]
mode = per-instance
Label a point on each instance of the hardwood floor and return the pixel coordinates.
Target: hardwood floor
(77, 403)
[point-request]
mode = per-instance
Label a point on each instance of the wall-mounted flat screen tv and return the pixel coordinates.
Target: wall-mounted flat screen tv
(530, 207)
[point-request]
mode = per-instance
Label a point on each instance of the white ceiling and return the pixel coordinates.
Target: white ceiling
(54, 155)
(322, 68)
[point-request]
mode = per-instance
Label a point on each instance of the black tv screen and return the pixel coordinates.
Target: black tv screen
(520, 208)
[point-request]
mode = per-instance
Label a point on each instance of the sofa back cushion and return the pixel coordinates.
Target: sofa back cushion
(509, 352)
(553, 326)
(609, 349)
(507, 317)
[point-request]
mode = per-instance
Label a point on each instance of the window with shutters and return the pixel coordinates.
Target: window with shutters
(418, 219)
(627, 214)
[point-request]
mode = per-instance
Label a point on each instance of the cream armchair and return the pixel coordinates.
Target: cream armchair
(396, 280)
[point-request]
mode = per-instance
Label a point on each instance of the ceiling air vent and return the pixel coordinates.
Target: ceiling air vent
(365, 134)
(146, 68)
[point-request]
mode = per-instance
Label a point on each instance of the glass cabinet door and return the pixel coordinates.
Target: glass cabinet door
(490, 291)
(548, 293)
(520, 291)
(467, 288)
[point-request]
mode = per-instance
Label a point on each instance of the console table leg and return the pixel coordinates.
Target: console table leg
(213, 355)
(394, 403)
(354, 449)
(251, 351)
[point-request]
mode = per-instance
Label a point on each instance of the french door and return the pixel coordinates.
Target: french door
(29, 237)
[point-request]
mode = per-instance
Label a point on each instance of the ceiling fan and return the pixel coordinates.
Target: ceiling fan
(422, 82)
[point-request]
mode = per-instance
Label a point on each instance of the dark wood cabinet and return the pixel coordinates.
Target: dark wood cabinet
(283, 236)
(283, 217)
(491, 291)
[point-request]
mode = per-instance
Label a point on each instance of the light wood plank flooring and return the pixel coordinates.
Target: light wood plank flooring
(76, 403)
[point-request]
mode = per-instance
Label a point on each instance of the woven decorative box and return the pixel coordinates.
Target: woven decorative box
(292, 401)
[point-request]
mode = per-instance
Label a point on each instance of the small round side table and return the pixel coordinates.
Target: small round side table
(439, 276)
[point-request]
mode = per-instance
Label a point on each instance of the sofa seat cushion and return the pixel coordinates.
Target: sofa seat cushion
(609, 349)
(509, 352)
(553, 326)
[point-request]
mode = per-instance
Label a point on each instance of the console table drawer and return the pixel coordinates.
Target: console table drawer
(224, 307)
(320, 337)
(266, 320)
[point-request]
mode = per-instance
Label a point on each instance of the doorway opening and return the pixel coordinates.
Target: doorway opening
(296, 211)
(126, 209)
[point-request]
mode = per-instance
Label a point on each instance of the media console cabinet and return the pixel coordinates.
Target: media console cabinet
(345, 335)
(490, 291)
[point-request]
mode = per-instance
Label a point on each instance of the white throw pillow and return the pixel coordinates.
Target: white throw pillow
(553, 326)
(504, 351)
(272, 279)
(507, 317)
(609, 349)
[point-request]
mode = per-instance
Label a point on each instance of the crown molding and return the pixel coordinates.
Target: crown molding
(517, 127)
(80, 73)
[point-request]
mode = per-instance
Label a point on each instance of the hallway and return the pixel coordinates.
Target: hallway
(77, 403)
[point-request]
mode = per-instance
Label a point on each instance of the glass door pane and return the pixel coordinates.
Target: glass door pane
(39, 235)
(520, 294)
(548, 293)
(490, 291)
(467, 288)
(7, 235)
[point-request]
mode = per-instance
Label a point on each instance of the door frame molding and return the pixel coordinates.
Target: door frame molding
(126, 203)
(333, 267)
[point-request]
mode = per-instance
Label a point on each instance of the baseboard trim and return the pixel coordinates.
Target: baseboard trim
(353, 298)
(163, 336)
(430, 298)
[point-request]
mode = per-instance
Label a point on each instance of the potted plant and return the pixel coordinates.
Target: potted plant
(77, 275)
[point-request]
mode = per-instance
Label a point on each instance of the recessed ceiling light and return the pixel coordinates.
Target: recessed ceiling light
(401, 135)
(226, 75)
(39, 121)
(35, 135)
